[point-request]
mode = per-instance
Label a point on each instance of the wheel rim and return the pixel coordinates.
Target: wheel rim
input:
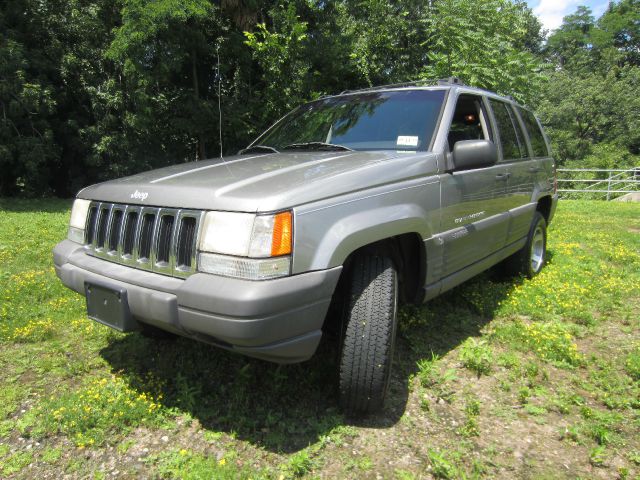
(537, 249)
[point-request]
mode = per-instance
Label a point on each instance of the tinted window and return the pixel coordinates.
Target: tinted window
(536, 138)
(468, 121)
(401, 120)
(513, 146)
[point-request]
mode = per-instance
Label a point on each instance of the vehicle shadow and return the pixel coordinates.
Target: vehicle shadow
(286, 408)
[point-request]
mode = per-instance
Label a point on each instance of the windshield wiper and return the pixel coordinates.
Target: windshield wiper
(258, 148)
(316, 146)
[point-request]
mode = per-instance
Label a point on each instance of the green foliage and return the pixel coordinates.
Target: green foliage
(632, 364)
(93, 90)
(591, 101)
(442, 465)
(281, 54)
(550, 341)
(189, 465)
(299, 464)
(106, 406)
(593, 119)
(583, 44)
(469, 40)
(470, 428)
(427, 370)
(477, 356)
(15, 462)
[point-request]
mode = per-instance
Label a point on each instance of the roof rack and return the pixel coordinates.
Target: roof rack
(451, 81)
(444, 81)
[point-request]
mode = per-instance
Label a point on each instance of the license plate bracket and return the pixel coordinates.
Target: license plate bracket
(110, 306)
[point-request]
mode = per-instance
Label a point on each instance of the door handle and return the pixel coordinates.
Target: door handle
(503, 176)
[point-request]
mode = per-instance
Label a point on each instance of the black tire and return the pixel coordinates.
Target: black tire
(369, 338)
(530, 259)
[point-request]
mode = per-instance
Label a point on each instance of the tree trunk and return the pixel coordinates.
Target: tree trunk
(201, 152)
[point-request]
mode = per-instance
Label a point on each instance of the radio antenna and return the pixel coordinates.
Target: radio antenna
(219, 78)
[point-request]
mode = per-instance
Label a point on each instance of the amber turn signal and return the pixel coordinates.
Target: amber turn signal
(282, 234)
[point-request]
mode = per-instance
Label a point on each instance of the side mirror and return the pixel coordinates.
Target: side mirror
(468, 154)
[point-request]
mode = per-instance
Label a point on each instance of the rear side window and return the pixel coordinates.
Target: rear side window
(513, 147)
(538, 145)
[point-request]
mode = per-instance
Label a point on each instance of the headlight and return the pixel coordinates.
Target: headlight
(260, 244)
(228, 233)
(78, 220)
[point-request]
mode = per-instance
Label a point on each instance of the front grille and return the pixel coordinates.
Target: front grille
(161, 240)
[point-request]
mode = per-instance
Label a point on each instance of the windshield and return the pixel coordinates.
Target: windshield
(398, 120)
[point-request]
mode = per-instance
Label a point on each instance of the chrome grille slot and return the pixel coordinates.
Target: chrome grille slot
(165, 231)
(186, 243)
(161, 240)
(146, 237)
(103, 225)
(115, 230)
(91, 225)
(129, 236)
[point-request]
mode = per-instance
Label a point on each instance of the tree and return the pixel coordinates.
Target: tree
(591, 102)
(50, 63)
(570, 46)
(483, 44)
(618, 33)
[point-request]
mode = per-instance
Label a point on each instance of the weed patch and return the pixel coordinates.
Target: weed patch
(189, 465)
(104, 407)
(550, 341)
(14, 463)
(632, 364)
(477, 356)
(443, 466)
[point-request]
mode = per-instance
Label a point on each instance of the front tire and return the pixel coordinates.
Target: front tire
(529, 260)
(369, 338)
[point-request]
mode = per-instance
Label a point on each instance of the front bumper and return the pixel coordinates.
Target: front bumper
(277, 320)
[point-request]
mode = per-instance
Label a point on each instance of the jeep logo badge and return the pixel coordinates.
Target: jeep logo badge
(142, 196)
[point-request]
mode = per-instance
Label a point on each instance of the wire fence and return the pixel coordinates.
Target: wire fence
(598, 183)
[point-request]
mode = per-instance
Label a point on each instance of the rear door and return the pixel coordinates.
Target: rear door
(520, 169)
(474, 218)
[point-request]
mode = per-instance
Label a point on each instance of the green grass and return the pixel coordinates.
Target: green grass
(477, 371)
(188, 465)
(477, 357)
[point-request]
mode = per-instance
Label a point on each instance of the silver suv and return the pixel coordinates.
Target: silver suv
(361, 200)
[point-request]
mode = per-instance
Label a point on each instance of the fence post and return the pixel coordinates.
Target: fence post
(609, 188)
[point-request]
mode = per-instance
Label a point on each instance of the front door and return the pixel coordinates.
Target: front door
(474, 218)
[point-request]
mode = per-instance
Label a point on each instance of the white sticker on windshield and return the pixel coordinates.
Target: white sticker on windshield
(407, 141)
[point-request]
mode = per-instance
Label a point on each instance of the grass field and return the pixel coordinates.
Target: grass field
(495, 379)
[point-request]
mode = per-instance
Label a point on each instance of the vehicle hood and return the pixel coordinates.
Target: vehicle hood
(262, 182)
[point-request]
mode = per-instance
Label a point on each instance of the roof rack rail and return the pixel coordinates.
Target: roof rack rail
(390, 85)
(444, 81)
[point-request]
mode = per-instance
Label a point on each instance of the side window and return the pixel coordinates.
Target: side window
(469, 121)
(511, 137)
(536, 138)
